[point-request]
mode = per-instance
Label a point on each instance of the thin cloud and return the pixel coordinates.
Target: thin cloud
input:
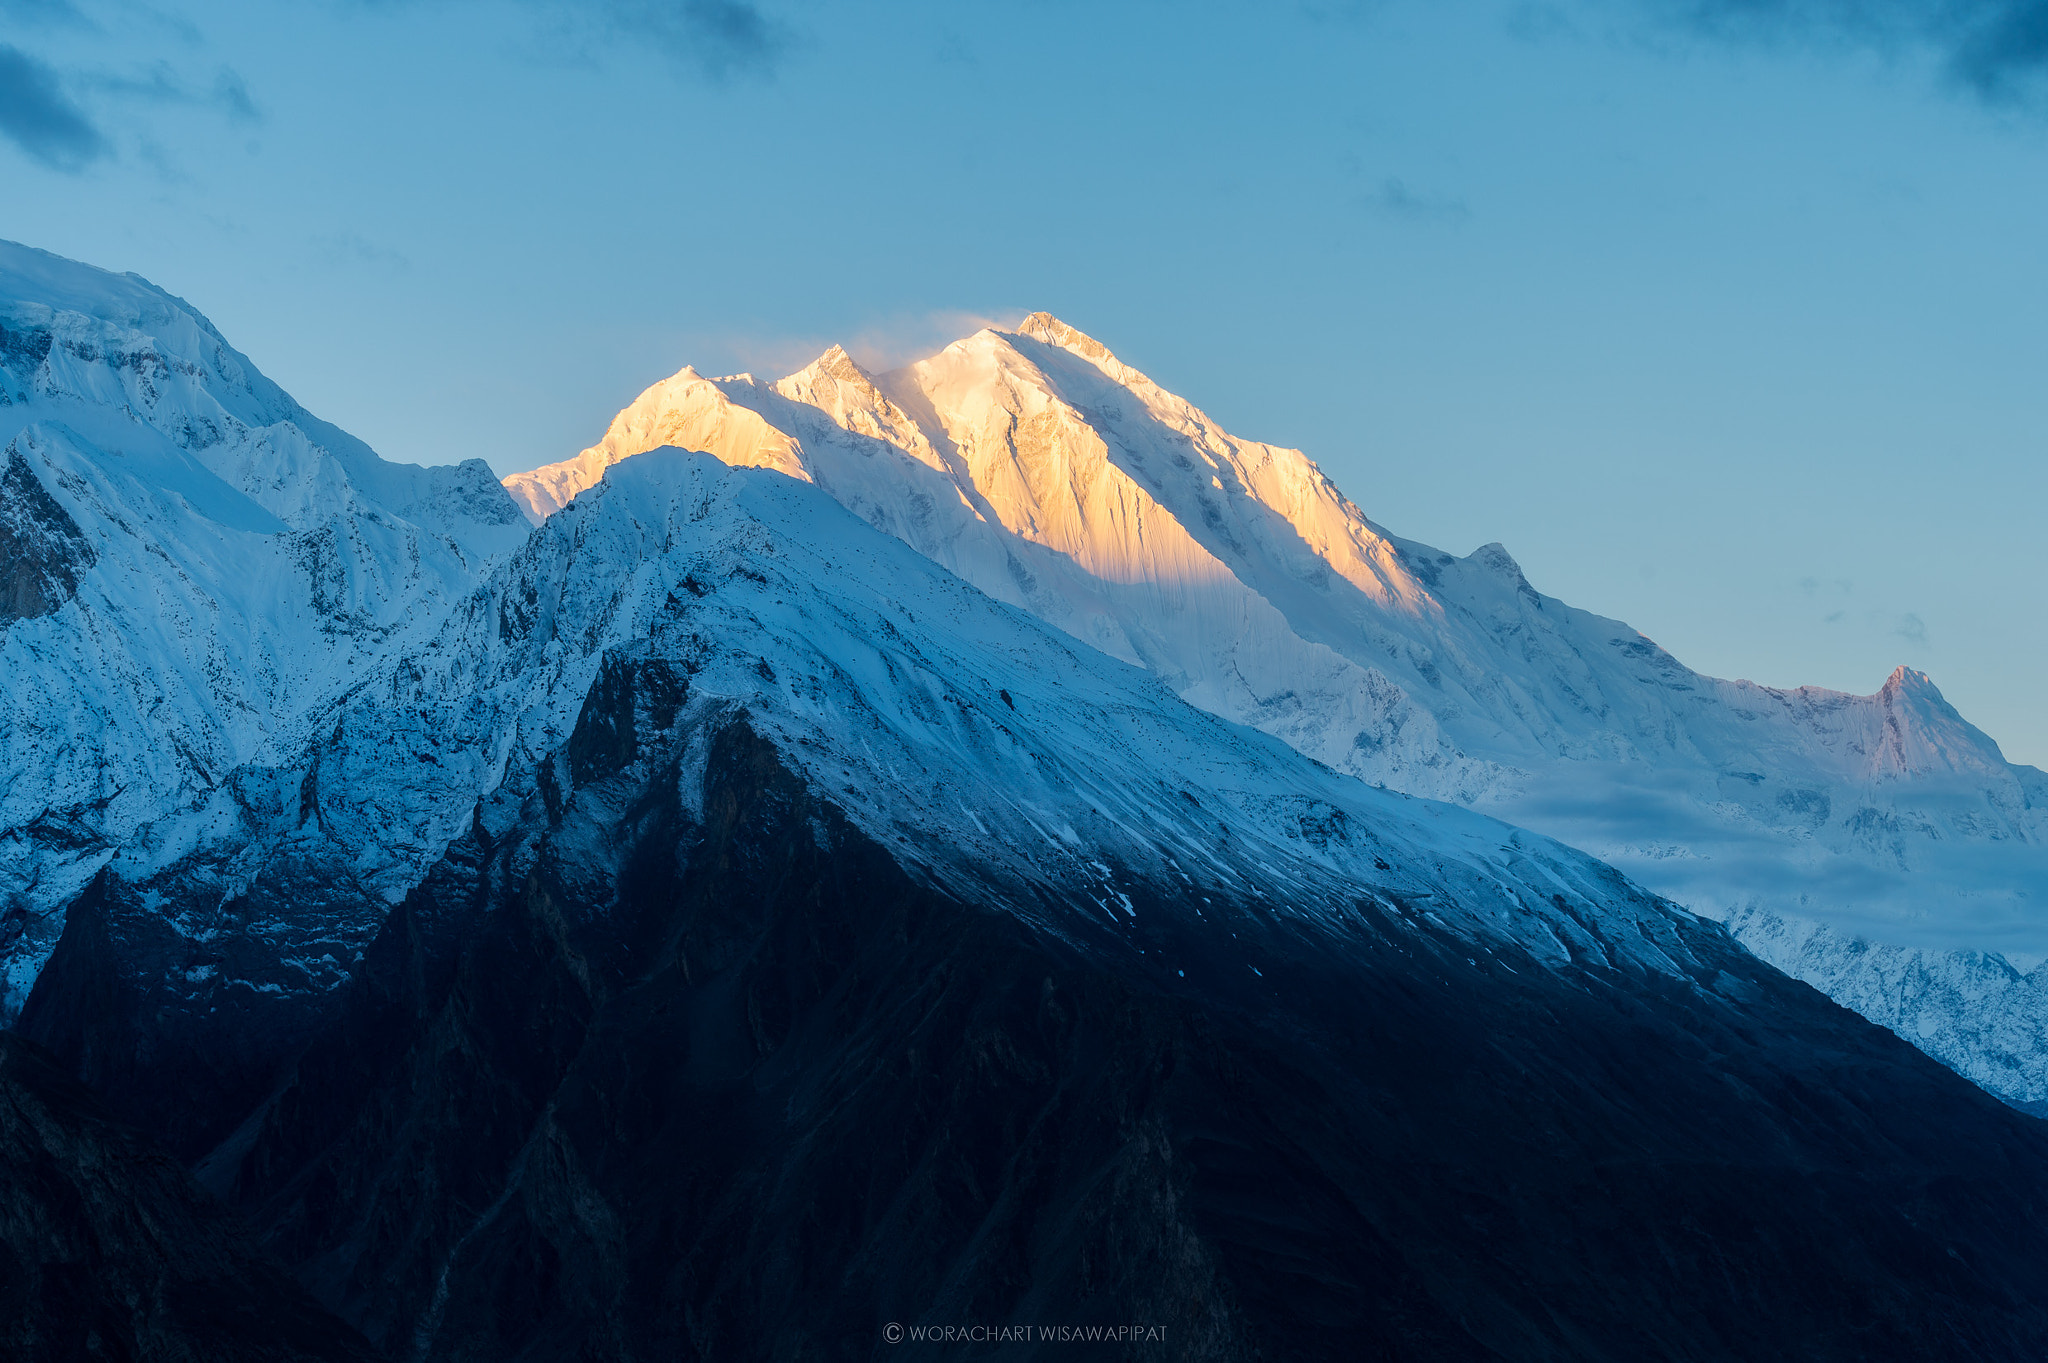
(1394, 198)
(43, 13)
(877, 346)
(350, 248)
(155, 85)
(231, 96)
(719, 38)
(2008, 51)
(1996, 49)
(1533, 22)
(37, 116)
(160, 83)
(1912, 629)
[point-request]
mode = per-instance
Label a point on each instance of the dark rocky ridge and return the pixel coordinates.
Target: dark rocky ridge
(765, 1093)
(109, 1252)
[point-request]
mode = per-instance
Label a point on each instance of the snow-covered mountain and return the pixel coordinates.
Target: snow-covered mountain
(192, 560)
(1053, 476)
(987, 753)
(990, 753)
(197, 572)
(708, 922)
(780, 903)
(992, 756)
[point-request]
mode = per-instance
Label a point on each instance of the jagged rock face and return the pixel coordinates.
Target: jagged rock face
(42, 550)
(110, 1253)
(757, 1093)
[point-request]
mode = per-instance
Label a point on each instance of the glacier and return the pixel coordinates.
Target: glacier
(1053, 476)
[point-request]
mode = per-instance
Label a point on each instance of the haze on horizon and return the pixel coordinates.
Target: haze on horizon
(1724, 319)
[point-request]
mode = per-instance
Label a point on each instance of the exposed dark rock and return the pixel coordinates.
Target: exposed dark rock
(42, 550)
(108, 1251)
(185, 1031)
(23, 352)
(632, 700)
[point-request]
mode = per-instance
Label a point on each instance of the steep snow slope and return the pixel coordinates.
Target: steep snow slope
(188, 559)
(1051, 475)
(986, 751)
(1980, 1006)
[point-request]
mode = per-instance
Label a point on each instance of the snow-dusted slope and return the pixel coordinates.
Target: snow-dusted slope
(989, 753)
(1988, 1012)
(188, 560)
(1045, 471)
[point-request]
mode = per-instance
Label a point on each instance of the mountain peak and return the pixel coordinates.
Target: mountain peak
(1043, 326)
(836, 384)
(1910, 681)
(1496, 559)
(836, 363)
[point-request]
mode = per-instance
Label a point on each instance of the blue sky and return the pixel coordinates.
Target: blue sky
(1728, 317)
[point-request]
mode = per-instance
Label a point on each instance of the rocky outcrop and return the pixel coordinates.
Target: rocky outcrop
(182, 1012)
(42, 550)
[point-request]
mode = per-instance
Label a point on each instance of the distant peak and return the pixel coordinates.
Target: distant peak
(1910, 681)
(1043, 326)
(833, 370)
(1496, 559)
(840, 365)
